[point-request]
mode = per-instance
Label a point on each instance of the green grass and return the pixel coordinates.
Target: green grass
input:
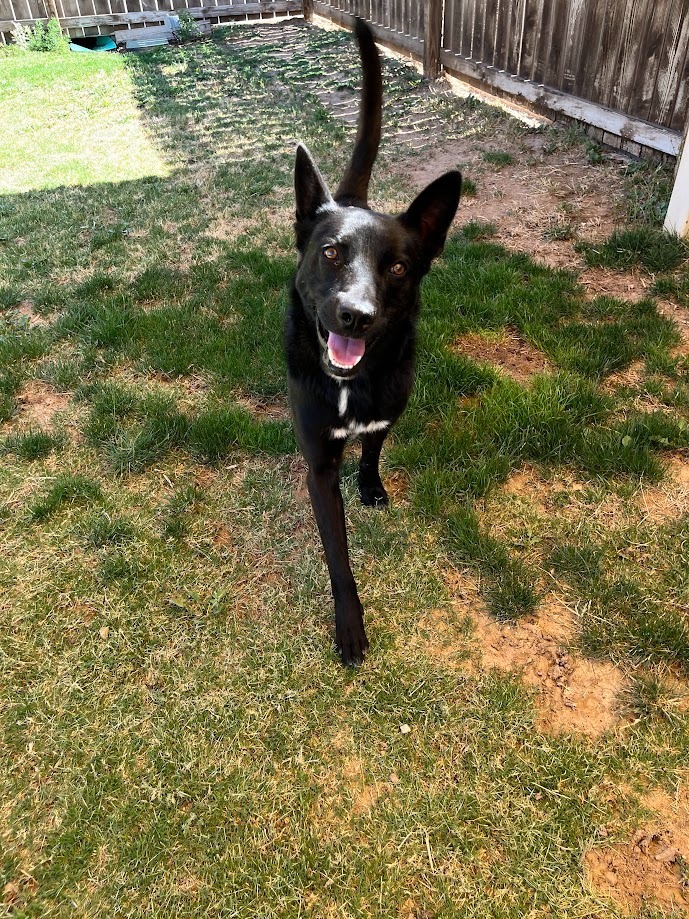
(643, 245)
(498, 158)
(178, 737)
(33, 444)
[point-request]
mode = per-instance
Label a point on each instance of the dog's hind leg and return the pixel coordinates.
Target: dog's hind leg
(323, 481)
(371, 488)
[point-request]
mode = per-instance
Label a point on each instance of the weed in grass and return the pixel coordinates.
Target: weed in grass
(594, 153)
(675, 288)
(560, 230)
(213, 434)
(652, 696)
(66, 490)
(132, 429)
(476, 230)
(581, 563)
(157, 283)
(65, 374)
(609, 335)
(468, 188)
(498, 158)
(9, 384)
(177, 510)
(107, 530)
(653, 249)
(33, 444)
(9, 297)
(118, 567)
(508, 587)
(647, 192)
(108, 235)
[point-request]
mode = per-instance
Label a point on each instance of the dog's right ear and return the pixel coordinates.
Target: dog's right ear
(310, 190)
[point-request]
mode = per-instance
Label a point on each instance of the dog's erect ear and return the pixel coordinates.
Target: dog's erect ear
(310, 189)
(431, 212)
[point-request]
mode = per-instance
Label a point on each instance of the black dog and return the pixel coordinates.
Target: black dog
(350, 331)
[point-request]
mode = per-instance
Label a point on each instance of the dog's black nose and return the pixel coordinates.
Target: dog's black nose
(353, 321)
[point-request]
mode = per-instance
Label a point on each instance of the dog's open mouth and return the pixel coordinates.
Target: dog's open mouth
(341, 354)
(345, 353)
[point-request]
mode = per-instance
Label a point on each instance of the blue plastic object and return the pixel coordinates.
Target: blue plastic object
(93, 43)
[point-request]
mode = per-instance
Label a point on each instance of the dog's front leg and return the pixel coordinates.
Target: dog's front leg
(371, 489)
(326, 500)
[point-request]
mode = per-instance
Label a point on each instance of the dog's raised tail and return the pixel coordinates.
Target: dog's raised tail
(353, 189)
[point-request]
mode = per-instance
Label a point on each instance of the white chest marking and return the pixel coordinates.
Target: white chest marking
(343, 400)
(354, 429)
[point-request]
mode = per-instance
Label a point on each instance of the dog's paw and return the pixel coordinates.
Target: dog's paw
(351, 642)
(373, 495)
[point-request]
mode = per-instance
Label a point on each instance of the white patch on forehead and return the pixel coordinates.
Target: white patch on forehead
(355, 219)
(343, 400)
(354, 429)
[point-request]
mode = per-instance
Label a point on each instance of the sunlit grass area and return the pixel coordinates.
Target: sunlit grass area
(71, 119)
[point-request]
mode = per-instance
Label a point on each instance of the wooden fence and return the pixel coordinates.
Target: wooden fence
(96, 17)
(620, 66)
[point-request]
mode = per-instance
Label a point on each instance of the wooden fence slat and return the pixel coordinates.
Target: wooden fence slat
(502, 28)
(532, 8)
(589, 57)
(515, 37)
(431, 46)
(633, 46)
(541, 51)
(671, 107)
(574, 39)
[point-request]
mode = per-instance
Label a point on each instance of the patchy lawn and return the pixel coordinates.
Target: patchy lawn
(178, 738)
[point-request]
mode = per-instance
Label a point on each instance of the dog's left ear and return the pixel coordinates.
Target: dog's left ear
(432, 211)
(310, 189)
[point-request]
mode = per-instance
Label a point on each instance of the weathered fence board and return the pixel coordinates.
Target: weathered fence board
(621, 66)
(80, 16)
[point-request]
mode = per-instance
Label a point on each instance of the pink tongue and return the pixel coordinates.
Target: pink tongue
(345, 351)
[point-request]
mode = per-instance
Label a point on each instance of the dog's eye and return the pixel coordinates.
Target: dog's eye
(330, 252)
(398, 269)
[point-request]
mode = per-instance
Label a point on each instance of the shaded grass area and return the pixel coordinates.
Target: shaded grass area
(177, 737)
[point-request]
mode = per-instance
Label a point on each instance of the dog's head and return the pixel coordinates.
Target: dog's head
(359, 270)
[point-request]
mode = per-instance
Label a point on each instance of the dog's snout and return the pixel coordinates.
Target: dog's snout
(353, 321)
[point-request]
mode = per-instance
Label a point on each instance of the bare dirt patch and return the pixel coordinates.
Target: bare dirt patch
(38, 404)
(26, 311)
(622, 285)
(527, 483)
(650, 868)
(575, 695)
(539, 204)
(264, 409)
(670, 499)
(509, 353)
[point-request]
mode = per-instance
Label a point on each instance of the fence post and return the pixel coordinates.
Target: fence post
(433, 19)
(308, 10)
(677, 219)
(53, 11)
